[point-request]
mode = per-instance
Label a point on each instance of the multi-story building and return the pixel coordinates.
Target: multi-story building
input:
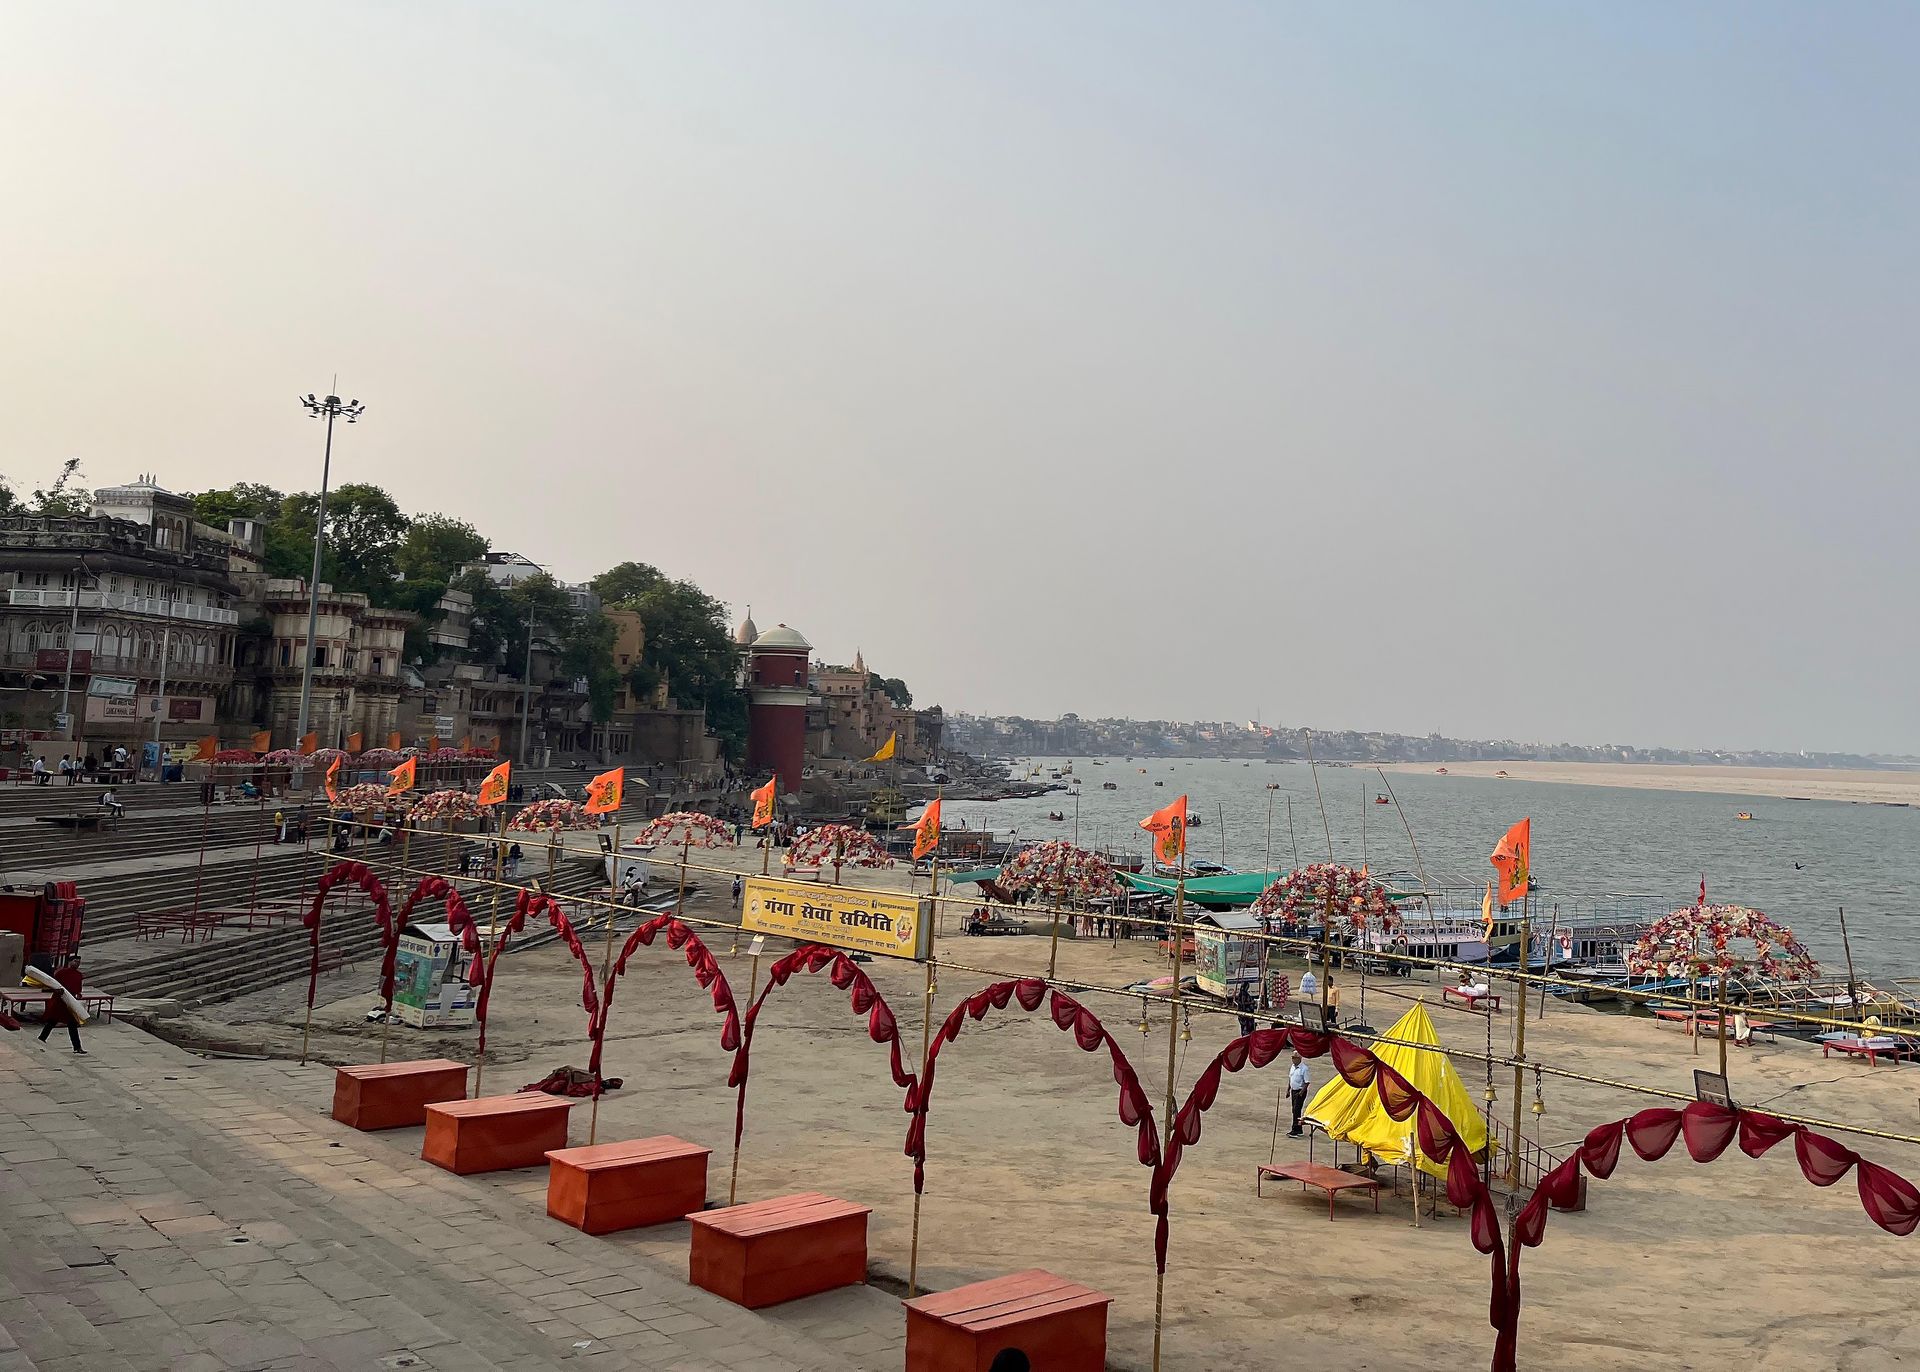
(357, 664)
(143, 596)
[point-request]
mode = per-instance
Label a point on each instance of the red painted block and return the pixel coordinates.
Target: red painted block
(607, 1187)
(1060, 1326)
(779, 1250)
(390, 1095)
(495, 1133)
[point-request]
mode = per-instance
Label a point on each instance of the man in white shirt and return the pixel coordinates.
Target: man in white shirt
(1297, 1083)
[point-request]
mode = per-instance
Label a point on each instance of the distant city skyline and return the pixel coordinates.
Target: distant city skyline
(1489, 370)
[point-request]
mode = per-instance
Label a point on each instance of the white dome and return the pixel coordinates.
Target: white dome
(747, 632)
(780, 636)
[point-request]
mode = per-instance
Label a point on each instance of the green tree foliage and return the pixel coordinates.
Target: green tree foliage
(365, 531)
(244, 500)
(895, 689)
(435, 548)
(687, 641)
(65, 498)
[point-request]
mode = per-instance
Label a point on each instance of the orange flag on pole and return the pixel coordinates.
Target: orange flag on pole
(606, 792)
(1168, 826)
(355, 742)
(926, 832)
(495, 745)
(493, 790)
(1486, 914)
(1513, 859)
(401, 778)
(208, 747)
(333, 782)
(393, 741)
(263, 741)
(466, 743)
(763, 802)
(309, 744)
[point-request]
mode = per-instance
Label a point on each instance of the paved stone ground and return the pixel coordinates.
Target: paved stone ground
(164, 1211)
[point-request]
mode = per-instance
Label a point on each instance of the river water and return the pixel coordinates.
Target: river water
(1800, 861)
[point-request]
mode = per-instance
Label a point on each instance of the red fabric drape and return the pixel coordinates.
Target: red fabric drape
(360, 875)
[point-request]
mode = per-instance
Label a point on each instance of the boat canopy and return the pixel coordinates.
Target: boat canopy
(972, 874)
(1354, 1114)
(1236, 888)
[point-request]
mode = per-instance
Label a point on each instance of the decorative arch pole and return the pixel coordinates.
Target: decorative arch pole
(360, 875)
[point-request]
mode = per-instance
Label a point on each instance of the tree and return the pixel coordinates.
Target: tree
(364, 533)
(586, 651)
(626, 583)
(687, 642)
(63, 499)
(436, 547)
(894, 688)
(242, 500)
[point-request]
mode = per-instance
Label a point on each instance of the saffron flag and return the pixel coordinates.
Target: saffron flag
(401, 778)
(1513, 859)
(466, 743)
(1486, 913)
(606, 791)
(763, 802)
(263, 741)
(886, 749)
(393, 741)
(926, 832)
(333, 782)
(309, 744)
(1169, 829)
(1703, 890)
(495, 745)
(208, 747)
(493, 790)
(355, 742)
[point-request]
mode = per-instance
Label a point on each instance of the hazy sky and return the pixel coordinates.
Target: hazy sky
(1530, 370)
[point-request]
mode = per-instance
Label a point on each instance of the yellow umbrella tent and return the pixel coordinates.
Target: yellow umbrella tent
(1354, 1114)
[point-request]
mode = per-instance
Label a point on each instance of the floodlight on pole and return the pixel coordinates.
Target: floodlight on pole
(330, 408)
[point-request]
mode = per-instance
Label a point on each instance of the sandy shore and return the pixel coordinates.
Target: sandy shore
(1901, 788)
(1736, 1263)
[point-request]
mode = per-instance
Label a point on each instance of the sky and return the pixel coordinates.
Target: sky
(1530, 371)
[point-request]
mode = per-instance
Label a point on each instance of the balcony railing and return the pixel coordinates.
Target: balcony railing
(51, 599)
(111, 664)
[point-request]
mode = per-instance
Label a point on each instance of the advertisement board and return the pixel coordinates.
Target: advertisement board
(886, 923)
(55, 660)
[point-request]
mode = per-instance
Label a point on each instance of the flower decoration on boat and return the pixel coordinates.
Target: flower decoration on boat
(545, 816)
(1061, 871)
(837, 845)
(1707, 941)
(686, 828)
(363, 798)
(449, 806)
(1307, 893)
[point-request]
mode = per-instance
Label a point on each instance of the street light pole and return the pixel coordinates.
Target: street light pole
(331, 408)
(73, 632)
(526, 683)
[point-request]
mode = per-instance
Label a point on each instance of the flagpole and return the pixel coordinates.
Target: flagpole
(926, 1049)
(606, 991)
(1173, 1052)
(493, 925)
(1520, 1020)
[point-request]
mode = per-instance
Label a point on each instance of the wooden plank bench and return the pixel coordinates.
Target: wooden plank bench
(1872, 1049)
(495, 1133)
(779, 1250)
(1329, 1179)
(19, 1000)
(1485, 1004)
(1054, 1323)
(607, 1187)
(392, 1095)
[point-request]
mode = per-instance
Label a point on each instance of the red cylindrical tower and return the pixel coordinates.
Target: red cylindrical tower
(777, 708)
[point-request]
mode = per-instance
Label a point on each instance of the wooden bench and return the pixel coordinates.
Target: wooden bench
(495, 1133)
(606, 1187)
(779, 1250)
(1329, 1179)
(392, 1095)
(1485, 1003)
(1871, 1049)
(20, 999)
(1056, 1324)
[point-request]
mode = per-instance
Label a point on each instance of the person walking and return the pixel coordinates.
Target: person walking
(739, 885)
(58, 1013)
(1243, 1002)
(1297, 1083)
(1333, 1002)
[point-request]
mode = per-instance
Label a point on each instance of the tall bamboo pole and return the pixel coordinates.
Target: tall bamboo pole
(493, 925)
(1173, 1053)
(1520, 1036)
(926, 1050)
(606, 968)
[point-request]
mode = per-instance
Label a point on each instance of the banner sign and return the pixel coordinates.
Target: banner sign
(886, 923)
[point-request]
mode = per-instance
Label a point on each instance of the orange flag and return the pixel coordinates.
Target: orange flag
(309, 744)
(494, 789)
(606, 791)
(208, 747)
(401, 778)
(926, 832)
(466, 743)
(1513, 859)
(763, 802)
(355, 743)
(262, 741)
(1169, 828)
(333, 782)
(496, 743)
(393, 741)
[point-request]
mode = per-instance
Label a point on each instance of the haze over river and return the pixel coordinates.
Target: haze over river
(1586, 839)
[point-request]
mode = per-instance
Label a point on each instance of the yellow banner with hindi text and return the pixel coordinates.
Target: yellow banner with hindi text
(886, 923)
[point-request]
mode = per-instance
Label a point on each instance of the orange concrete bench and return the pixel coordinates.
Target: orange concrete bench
(1058, 1325)
(612, 1186)
(390, 1095)
(495, 1133)
(779, 1250)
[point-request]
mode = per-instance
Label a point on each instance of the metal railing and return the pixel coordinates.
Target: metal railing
(50, 599)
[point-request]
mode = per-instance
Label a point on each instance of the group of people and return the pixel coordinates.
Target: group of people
(72, 768)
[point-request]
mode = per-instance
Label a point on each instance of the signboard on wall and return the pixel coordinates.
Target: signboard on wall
(55, 660)
(112, 686)
(883, 922)
(104, 709)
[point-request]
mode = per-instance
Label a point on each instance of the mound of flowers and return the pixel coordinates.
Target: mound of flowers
(1303, 895)
(837, 845)
(364, 797)
(1703, 941)
(1062, 872)
(546, 816)
(386, 759)
(448, 806)
(235, 755)
(686, 828)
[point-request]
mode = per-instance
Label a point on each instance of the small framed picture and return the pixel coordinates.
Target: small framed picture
(1711, 1087)
(1313, 1016)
